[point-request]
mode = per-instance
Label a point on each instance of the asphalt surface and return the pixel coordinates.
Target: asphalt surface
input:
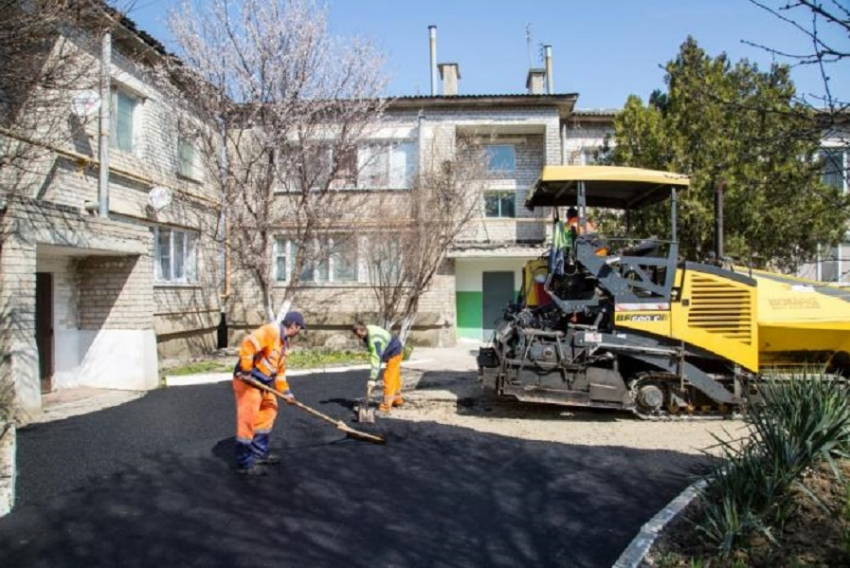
(151, 483)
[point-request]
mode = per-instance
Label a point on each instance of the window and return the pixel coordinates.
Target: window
(387, 165)
(336, 263)
(499, 204)
(343, 260)
(176, 258)
(313, 165)
(123, 121)
(501, 158)
(385, 261)
(834, 167)
(281, 258)
(186, 158)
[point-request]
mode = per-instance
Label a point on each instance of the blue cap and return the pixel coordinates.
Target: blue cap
(294, 318)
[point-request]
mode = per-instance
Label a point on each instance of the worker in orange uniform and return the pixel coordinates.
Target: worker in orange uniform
(384, 347)
(262, 357)
(591, 233)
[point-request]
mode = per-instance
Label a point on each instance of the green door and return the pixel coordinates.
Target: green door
(497, 293)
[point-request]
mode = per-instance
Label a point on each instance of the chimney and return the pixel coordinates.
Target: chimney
(432, 35)
(534, 83)
(550, 83)
(449, 73)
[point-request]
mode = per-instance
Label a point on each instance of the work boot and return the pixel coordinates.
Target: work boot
(383, 410)
(271, 459)
(252, 470)
(398, 401)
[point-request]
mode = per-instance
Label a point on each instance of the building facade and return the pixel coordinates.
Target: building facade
(98, 280)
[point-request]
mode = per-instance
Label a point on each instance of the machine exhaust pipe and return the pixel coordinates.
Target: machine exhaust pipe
(718, 221)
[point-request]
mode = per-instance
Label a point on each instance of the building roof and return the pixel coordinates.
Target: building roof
(564, 102)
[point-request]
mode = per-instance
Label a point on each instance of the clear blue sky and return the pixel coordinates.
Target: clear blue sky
(603, 50)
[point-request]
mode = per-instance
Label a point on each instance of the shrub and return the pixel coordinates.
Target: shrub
(7, 399)
(799, 422)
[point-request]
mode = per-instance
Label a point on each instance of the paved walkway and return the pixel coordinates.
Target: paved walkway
(147, 481)
(150, 482)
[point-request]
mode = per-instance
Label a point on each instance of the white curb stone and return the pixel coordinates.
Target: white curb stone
(637, 550)
(8, 469)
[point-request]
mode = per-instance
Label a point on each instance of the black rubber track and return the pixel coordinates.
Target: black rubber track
(151, 483)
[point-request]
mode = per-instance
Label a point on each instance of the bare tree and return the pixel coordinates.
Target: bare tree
(826, 25)
(46, 49)
(413, 236)
(281, 108)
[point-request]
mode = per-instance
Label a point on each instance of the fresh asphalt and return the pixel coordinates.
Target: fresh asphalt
(151, 483)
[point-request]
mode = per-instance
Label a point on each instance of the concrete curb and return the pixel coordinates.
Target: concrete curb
(206, 378)
(8, 468)
(637, 550)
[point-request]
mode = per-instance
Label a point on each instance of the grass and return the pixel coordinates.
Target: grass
(7, 400)
(298, 359)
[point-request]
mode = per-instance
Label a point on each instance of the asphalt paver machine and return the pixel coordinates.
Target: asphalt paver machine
(624, 322)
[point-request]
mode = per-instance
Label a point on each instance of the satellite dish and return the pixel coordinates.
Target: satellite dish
(159, 198)
(86, 103)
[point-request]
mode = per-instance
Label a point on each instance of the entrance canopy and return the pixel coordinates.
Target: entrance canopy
(604, 186)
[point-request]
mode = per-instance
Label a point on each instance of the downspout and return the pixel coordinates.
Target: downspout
(103, 139)
(432, 34)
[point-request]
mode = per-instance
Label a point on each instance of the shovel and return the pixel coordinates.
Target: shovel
(365, 413)
(349, 431)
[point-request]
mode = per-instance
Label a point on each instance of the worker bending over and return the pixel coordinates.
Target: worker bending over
(383, 347)
(262, 357)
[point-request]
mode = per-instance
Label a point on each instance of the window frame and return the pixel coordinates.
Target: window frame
(188, 256)
(285, 248)
(387, 152)
(183, 143)
(494, 166)
(115, 93)
(501, 194)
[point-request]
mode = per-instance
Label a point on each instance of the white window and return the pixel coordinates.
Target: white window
(337, 262)
(390, 165)
(176, 256)
(186, 158)
(123, 123)
(501, 158)
(314, 166)
(385, 259)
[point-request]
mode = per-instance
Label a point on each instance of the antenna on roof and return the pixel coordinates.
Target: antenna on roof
(528, 44)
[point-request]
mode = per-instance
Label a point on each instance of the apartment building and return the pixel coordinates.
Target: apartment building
(100, 281)
(104, 266)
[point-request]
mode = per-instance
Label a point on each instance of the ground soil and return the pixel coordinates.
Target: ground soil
(814, 537)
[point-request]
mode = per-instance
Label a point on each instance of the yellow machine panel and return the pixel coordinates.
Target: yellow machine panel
(718, 314)
(800, 321)
(655, 321)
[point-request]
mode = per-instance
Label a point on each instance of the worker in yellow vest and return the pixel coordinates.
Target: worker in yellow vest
(384, 347)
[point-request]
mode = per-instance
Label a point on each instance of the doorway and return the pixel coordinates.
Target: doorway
(44, 328)
(497, 293)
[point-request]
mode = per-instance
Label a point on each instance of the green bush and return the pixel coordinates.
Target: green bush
(798, 423)
(7, 400)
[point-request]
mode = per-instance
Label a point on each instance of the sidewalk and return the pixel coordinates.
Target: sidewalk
(72, 402)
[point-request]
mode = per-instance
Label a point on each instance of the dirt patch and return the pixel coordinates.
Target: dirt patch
(456, 399)
(815, 536)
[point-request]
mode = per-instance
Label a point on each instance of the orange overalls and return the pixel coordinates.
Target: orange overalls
(385, 347)
(263, 357)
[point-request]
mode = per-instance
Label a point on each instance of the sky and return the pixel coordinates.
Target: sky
(602, 50)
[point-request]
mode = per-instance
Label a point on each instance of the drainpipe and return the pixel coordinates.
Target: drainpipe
(103, 139)
(550, 84)
(432, 33)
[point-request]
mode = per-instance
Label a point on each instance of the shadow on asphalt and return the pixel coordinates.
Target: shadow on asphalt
(151, 483)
